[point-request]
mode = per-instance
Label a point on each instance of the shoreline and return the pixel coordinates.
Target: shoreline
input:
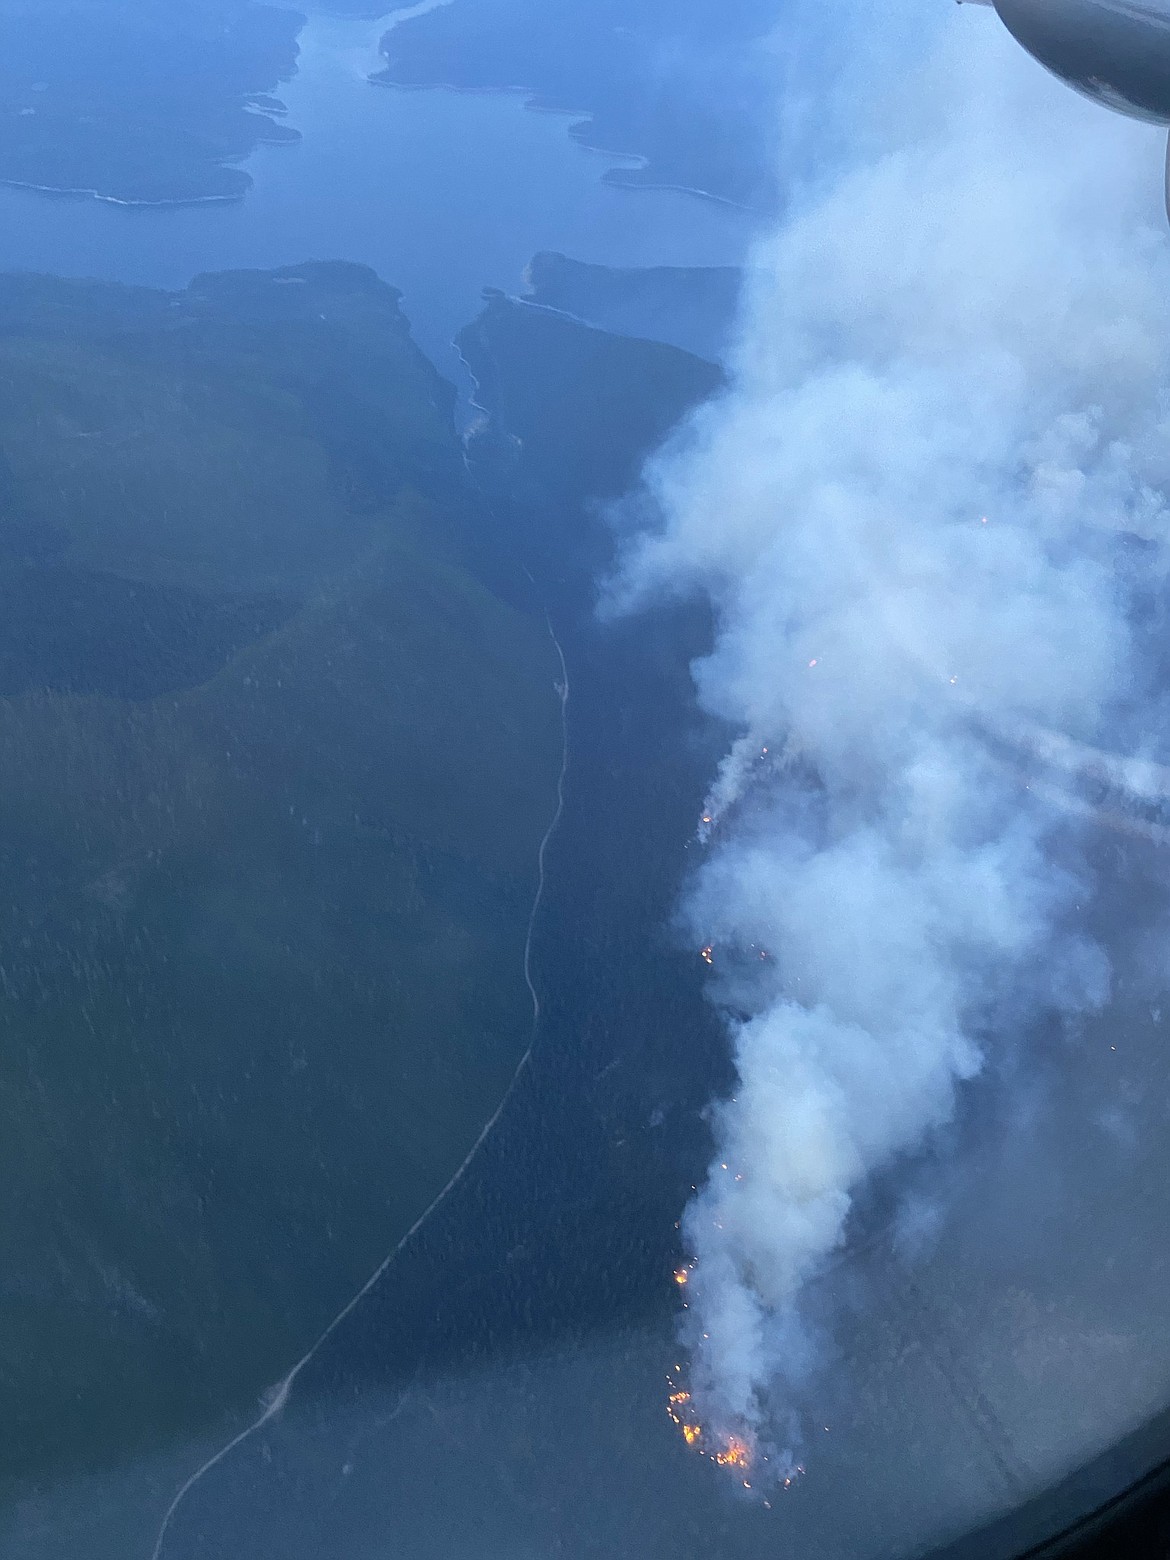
(261, 105)
(680, 189)
(71, 192)
(287, 138)
(584, 118)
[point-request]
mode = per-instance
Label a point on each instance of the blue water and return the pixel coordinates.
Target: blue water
(500, 1449)
(442, 192)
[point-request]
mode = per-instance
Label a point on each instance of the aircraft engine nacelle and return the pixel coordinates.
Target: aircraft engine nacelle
(1115, 51)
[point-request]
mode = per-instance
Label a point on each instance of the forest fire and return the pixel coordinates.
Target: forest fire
(737, 1454)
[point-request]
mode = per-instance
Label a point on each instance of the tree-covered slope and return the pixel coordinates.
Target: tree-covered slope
(141, 100)
(686, 84)
(275, 764)
(693, 307)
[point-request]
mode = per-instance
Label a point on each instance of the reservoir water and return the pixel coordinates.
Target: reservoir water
(502, 1391)
(441, 192)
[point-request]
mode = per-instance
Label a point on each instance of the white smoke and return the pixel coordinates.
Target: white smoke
(913, 513)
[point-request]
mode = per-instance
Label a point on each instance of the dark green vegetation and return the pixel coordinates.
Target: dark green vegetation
(687, 84)
(141, 100)
(563, 1232)
(434, 1395)
(275, 762)
(692, 307)
(604, 403)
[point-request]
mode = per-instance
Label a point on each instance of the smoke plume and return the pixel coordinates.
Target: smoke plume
(923, 513)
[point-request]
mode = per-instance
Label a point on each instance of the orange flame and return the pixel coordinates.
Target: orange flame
(737, 1454)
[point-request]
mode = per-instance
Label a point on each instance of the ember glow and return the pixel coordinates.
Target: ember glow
(921, 907)
(736, 1454)
(725, 1451)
